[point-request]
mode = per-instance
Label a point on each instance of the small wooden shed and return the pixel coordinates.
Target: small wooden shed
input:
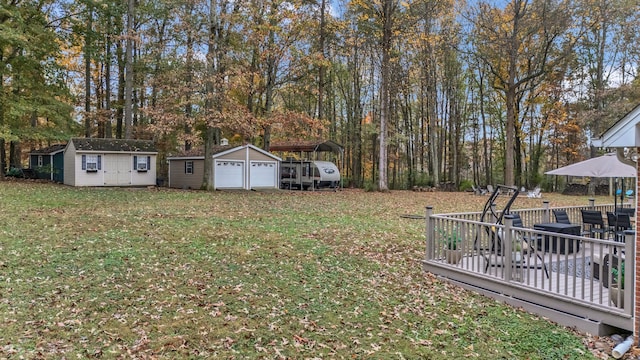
(110, 162)
(48, 162)
(242, 167)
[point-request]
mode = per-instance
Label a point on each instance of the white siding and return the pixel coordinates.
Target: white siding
(144, 178)
(84, 178)
(69, 164)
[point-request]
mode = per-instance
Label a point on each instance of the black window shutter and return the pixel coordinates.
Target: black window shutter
(84, 162)
(148, 162)
(185, 167)
(99, 162)
(135, 162)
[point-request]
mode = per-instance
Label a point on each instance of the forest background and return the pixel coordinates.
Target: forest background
(419, 92)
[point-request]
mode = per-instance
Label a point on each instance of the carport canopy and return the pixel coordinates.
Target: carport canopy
(308, 146)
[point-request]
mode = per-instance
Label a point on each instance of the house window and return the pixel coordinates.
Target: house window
(40, 160)
(141, 163)
(91, 163)
(188, 167)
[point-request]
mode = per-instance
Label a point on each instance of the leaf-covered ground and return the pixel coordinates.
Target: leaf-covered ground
(142, 273)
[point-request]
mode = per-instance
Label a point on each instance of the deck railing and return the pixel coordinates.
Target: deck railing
(574, 269)
(543, 214)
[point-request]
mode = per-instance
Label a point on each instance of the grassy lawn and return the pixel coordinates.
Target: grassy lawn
(165, 274)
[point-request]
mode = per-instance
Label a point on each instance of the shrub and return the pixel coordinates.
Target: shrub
(369, 186)
(14, 172)
(615, 272)
(465, 185)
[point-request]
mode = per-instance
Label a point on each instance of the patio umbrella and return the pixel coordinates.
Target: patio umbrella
(607, 165)
(602, 166)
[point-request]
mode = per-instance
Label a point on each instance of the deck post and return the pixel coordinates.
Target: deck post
(429, 233)
(547, 216)
(592, 203)
(508, 248)
(629, 279)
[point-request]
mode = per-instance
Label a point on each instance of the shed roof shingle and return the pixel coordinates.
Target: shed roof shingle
(95, 144)
(49, 149)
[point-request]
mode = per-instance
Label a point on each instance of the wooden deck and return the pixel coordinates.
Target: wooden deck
(575, 292)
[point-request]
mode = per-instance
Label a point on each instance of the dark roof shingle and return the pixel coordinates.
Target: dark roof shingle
(49, 149)
(95, 144)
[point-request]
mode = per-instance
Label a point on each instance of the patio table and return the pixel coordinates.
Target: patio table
(558, 244)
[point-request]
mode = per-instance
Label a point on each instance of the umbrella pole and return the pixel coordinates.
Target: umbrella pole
(615, 196)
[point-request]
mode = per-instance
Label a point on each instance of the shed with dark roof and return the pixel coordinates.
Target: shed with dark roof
(48, 162)
(110, 162)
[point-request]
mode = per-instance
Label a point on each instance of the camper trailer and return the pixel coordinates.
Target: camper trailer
(296, 174)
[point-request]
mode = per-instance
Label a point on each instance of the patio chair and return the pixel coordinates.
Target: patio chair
(529, 243)
(618, 224)
(611, 221)
(478, 190)
(535, 193)
(593, 223)
(629, 193)
(561, 216)
(629, 211)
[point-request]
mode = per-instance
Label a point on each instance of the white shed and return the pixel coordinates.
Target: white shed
(109, 162)
(242, 167)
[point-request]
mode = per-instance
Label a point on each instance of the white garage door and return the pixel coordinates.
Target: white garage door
(262, 174)
(229, 174)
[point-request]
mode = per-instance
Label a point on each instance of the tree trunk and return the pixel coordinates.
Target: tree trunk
(14, 155)
(216, 57)
(271, 79)
(209, 142)
(511, 98)
(128, 87)
(322, 70)
(121, 86)
(510, 137)
(188, 108)
(87, 75)
(384, 94)
(3, 155)
(107, 89)
(3, 159)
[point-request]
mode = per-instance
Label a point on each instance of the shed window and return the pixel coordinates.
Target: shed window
(188, 167)
(40, 160)
(91, 163)
(141, 163)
